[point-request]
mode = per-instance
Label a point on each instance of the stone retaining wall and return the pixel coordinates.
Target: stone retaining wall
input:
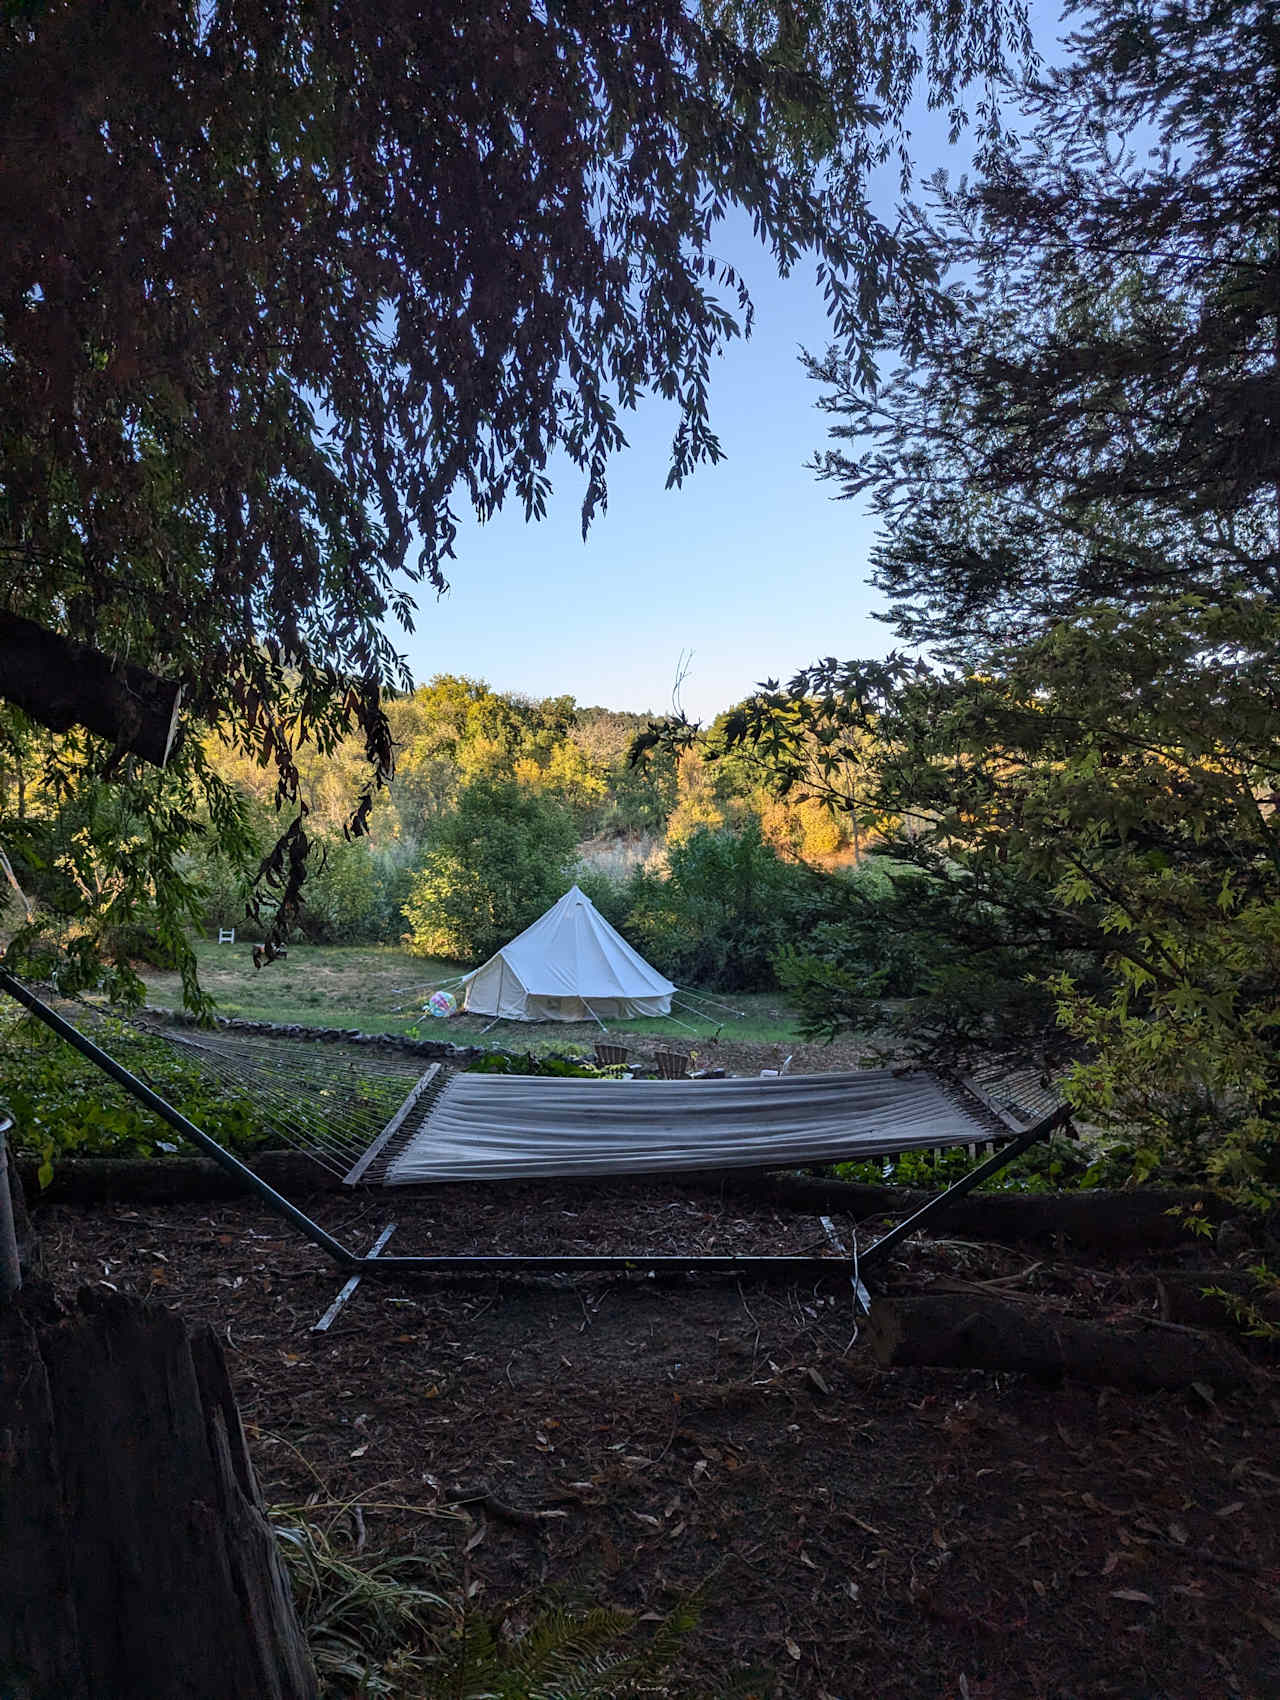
(437, 1050)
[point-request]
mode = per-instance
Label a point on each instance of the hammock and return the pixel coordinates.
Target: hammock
(626, 1126)
(511, 1127)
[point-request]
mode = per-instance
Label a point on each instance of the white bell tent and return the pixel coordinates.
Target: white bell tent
(570, 965)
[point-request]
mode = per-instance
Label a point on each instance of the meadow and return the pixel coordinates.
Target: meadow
(380, 989)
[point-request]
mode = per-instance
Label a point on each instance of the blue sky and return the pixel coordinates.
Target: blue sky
(753, 565)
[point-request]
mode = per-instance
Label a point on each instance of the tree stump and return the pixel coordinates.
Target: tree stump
(135, 1559)
(959, 1332)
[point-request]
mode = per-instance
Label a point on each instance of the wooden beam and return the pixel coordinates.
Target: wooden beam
(357, 1172)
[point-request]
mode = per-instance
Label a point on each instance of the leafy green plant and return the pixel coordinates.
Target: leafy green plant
(1246, 1309)
(1053, 1165)
(381, 1626)
(567, 1068)
(596, 1654)
(63, 1106)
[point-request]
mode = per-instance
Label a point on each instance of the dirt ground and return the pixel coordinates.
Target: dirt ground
(744, 1058)
(854, 1533)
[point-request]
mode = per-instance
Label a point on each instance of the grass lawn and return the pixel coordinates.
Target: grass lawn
(380, 989)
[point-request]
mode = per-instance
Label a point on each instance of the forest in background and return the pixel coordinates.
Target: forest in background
(500, 801)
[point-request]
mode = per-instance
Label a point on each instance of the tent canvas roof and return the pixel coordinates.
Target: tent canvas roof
(572, 951)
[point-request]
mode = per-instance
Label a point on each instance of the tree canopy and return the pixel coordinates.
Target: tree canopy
(287, 285)
(1078, 488)
(1098, 420)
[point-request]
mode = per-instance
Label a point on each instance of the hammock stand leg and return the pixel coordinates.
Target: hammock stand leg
(176, 1120)
(912, 1224)
(326, 1321)
(351, 1262)
(791, 1266)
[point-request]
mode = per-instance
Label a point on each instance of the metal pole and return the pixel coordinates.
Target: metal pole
(809, 1266)
(175, 1119)
(372, 1265)
(502, 1262)
(992, 1165)
(10, 1266)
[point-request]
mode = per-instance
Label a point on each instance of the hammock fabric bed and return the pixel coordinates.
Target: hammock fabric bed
(511, 1127)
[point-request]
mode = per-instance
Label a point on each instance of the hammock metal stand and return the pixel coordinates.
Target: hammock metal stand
(792, 1266)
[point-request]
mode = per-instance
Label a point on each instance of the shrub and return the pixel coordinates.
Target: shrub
(503, 856)
(354, 893)
(726, 907)
(358, 894)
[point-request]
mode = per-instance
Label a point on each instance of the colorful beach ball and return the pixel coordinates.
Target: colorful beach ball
(442, 1003)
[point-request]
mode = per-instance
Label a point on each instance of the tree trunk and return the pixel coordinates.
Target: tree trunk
(1091, 1219)
(62, 684)
(135, 1559)
(960, 1332)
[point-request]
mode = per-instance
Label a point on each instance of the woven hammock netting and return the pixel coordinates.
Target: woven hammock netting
(247, 1090)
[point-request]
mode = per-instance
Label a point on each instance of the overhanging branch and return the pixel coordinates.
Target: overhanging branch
(62, 684)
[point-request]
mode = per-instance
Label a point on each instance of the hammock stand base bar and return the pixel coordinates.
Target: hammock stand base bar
(521, 1263)
(499, 1263)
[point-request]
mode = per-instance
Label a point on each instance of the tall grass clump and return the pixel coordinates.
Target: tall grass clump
(381, 1625)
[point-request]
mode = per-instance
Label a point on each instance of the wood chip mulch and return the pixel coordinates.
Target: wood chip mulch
(852, 1532)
